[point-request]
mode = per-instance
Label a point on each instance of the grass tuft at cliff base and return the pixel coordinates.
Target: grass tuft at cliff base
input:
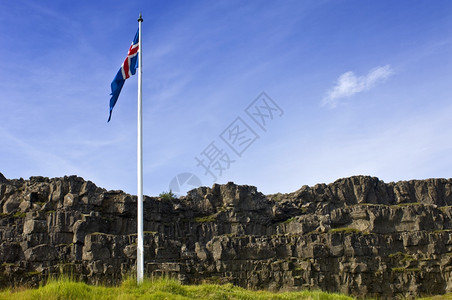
(162, 288)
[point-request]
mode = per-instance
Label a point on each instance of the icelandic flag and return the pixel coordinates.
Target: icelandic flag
(128, 68)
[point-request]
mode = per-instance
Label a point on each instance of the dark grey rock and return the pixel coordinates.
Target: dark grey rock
(41, 253)
(357, 235)
(3, 179)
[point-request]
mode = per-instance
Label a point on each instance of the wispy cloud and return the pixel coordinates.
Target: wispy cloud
(349, 84)
(40, 162)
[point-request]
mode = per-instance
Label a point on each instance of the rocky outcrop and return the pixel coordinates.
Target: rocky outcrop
(358, 235)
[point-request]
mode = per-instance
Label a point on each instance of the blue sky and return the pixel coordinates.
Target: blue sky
(351, 88)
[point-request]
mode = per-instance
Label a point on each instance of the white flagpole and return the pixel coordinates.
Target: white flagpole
(140, 255)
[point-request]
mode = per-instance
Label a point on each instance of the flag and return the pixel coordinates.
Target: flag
(128, 68)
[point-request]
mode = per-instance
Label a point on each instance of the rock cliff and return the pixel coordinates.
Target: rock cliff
(358, 235)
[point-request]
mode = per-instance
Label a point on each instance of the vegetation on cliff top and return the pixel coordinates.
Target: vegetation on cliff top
(65, 288)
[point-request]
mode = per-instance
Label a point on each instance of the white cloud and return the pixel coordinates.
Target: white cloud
(349, 84)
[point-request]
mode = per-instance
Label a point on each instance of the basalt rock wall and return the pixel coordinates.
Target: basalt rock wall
(358, 235)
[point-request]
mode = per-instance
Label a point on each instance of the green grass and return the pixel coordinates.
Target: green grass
(168, 196)
(163, 288)
(289, 220)
(19, 214)
(402, 257)
(345, 230)
(207, 219)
